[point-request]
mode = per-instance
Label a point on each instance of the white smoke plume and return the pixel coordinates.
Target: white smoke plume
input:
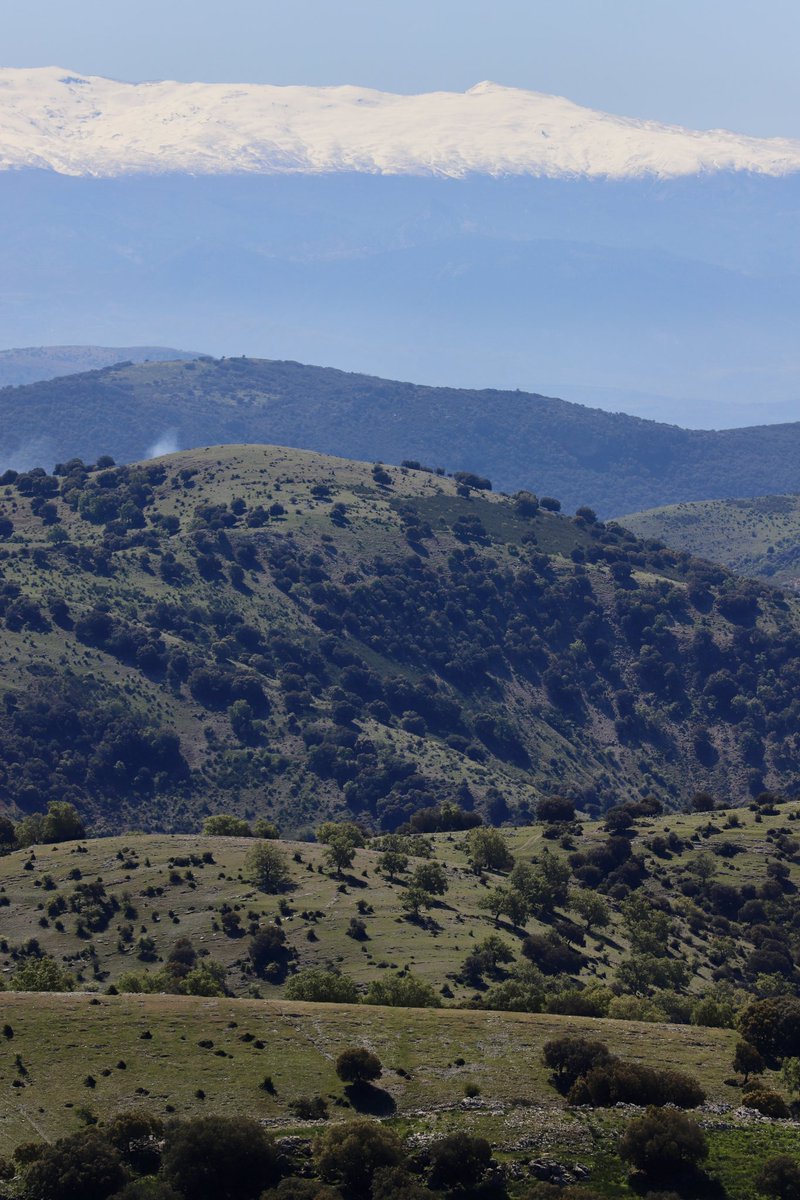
(166, 443)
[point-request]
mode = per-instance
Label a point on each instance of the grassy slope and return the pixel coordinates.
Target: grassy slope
(61, 1040)
(320, 902)
(758, 537)
(584, 456)
(301, 1042)
(157, 1038)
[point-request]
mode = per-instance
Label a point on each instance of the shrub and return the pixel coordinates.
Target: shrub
(616, 1082)
(147, 1189)
(550, 1191)
(458, 1160)
(358, 1066)
(135, 1135)
(581, 1002)
(523, 991)
(268, 946)
(396, 1183)
(634, 1008)
(779, 1177)
(224, 1157)
(321, 987)
(663, 1143)
(350, 1153)
(551, 955)
(767, 1102)
(80, 1167)
(555, 810)
(571, 1057)
(42, 974)
(226, 825)
(310, 1108)
(402, 991)
(267, 830)
(301, 1189)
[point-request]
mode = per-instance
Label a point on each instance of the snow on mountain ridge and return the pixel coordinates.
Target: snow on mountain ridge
(56, 120)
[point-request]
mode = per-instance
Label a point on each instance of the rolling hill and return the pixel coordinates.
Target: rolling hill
(30, 364)
(183, 885)
(758, 537)
(114, 911)
(610, 461)
(281, 633)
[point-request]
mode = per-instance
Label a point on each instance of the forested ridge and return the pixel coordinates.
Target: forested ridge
(613, 462)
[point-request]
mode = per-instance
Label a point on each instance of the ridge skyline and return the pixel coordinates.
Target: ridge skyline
(88, 125)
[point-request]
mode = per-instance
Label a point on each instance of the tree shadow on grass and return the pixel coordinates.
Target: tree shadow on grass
(374, 1101)
(689, 1185)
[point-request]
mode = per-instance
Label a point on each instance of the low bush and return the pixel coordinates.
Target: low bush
(663, 1143)
(617, 1082)
(358, 1066)
(779, 1177)
(349, 1154)
(571, 1057)
(458, 1160)
(767, 1102)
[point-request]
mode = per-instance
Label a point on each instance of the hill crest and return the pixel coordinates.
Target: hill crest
(611, 461)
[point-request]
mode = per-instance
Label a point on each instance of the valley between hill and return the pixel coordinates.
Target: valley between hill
(758, 537)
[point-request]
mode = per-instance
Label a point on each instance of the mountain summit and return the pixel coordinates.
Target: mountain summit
(55, 120)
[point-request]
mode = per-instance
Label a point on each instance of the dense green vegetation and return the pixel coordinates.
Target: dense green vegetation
(280, 634)
(614, 462)
(469, 865)
(759, 538)
(284, 635)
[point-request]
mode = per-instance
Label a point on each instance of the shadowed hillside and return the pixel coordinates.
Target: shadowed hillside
(584, 456)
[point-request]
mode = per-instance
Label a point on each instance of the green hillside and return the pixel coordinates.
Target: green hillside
(194, 1045)
(712, 893)
(277, 633)
(611, 461)
(110, 907)
(759, 537)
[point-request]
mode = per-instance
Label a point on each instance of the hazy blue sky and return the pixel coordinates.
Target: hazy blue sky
(706, 63)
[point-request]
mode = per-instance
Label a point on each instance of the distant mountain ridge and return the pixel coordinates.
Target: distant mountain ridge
(639, 285)
(57, 120)
(611, 461)
(31, 364)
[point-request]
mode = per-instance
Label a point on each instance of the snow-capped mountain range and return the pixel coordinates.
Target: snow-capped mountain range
(55, 120)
